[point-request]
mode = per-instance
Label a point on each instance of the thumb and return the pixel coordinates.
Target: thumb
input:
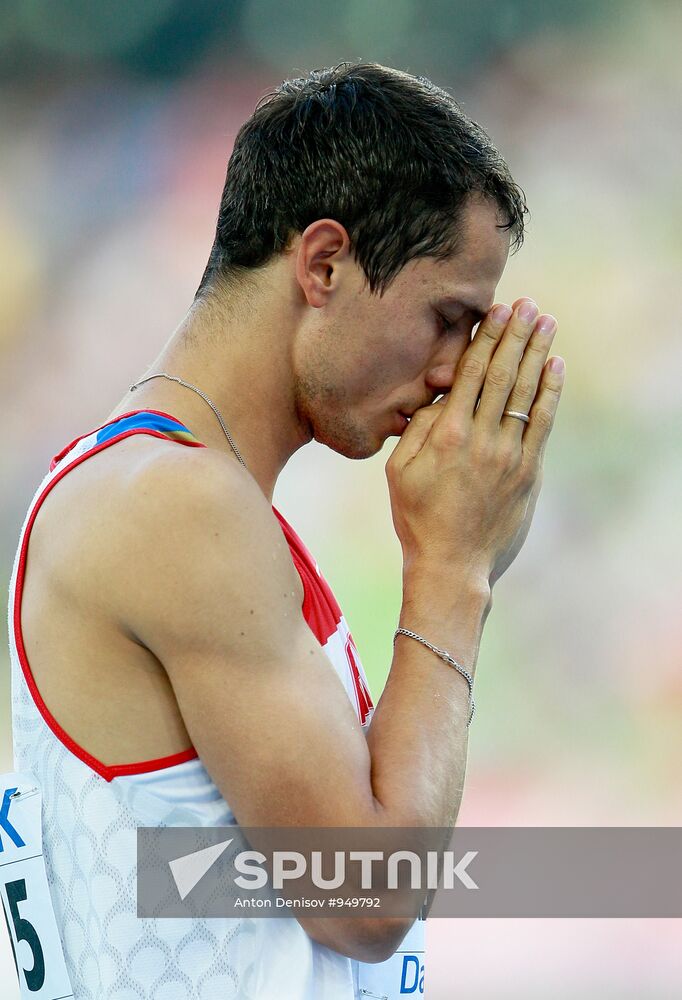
(414, 436)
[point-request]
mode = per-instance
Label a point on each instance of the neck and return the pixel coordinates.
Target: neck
(245, 367)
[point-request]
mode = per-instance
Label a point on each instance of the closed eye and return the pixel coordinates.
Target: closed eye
(465, 325)
(445, 324)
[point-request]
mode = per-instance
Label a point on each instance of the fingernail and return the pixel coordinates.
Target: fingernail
(501, 314)
(557, 366)
(547, 325)
(528, 311)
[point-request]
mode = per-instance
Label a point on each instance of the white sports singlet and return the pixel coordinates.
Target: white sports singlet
(91, 812)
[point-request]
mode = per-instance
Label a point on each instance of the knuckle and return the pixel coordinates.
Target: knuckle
(449, 435)
(519, 334)
(529, 469)
(543, 418)
(489, 334)
(392, 467)
(525, 387)
(508, 456)
(484, 451)
(554, 388)
(472, 367)
(538, 345)
(516, 334)
(527, 475)
(499, 376)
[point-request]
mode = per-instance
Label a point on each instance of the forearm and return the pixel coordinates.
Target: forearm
(418, 736)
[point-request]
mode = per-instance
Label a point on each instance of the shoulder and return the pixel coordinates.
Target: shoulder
(144, 485)
(176, 482)
(147, 526)
(195, 535)
(198, 499)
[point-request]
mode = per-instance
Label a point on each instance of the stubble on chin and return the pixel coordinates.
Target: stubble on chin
(345, 437)
(332, 421)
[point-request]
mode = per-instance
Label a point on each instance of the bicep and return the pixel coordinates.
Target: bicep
(277, 733)
(263, 705)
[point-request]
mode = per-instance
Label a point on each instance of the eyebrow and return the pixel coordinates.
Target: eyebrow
(471, 307)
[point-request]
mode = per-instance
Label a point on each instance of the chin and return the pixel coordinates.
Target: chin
(353, 451)
(352, 444)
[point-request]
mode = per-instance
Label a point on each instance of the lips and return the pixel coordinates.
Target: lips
(408, 414)
(411, 412)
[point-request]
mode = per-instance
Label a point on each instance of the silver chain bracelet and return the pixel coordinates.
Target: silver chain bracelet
(444, 655)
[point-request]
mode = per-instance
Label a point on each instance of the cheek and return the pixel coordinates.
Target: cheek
(386, 375)
(392, 367)
(394, 350)
(414, 354)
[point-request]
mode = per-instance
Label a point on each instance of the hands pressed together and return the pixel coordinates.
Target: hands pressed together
(464, 477)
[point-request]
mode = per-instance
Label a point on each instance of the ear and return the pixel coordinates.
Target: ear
(322, 253)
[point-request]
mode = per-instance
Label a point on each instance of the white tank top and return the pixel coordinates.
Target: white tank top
(91, 812)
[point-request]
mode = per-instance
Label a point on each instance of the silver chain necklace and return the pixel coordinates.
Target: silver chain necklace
(174, 378)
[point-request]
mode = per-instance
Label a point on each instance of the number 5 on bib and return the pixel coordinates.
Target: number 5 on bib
(25, 893)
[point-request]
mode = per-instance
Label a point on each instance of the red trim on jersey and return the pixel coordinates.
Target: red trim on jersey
(107, 771)
(362, 696)
(320, 608)
(322, 612)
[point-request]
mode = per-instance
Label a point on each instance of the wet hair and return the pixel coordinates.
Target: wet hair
(390, 156)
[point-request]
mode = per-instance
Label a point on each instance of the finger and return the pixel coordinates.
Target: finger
(528, 378)
(503, 368)
(543, 410)
(470, 372)
(515, 304)
(415, 434)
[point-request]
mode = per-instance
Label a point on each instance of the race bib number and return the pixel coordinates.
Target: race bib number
(400, 976)
(26, 900)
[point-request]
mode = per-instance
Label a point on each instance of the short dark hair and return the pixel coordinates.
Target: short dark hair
(390, 156)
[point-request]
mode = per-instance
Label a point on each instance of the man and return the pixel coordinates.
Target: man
(169, 628)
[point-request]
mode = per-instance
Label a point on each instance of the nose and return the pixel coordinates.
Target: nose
(442, 372)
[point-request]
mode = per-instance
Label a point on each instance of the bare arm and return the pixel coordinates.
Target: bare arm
(208, 585)
(463, 483)
(206, 581)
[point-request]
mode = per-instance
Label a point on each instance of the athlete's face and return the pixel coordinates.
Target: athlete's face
(368, 359)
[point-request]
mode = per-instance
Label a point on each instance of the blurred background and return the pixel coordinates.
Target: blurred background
(116, 123)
